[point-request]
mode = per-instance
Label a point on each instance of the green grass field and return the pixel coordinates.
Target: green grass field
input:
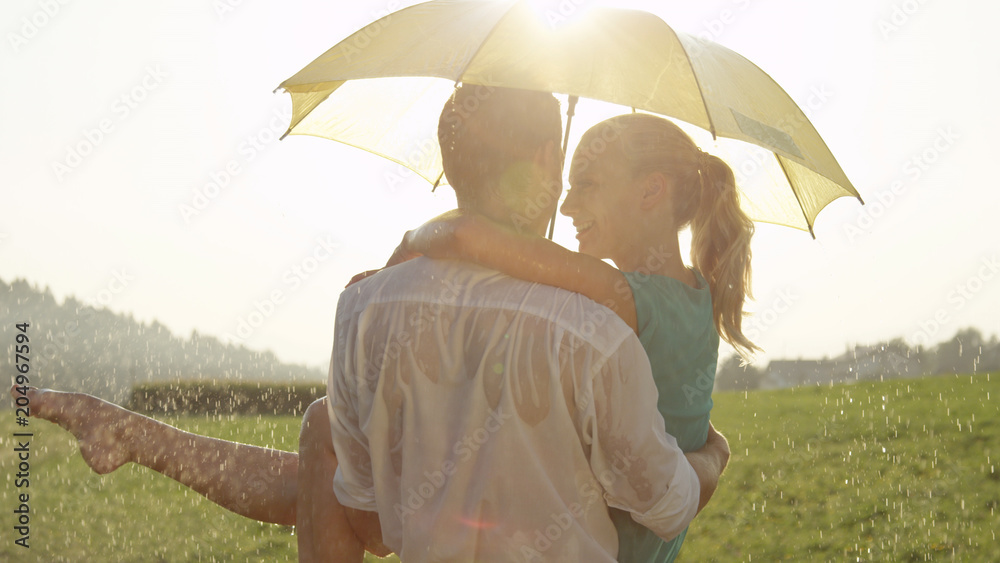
(903, 470)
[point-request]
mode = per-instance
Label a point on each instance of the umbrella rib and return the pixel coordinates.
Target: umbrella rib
(796, 194)
(483, 42)
(701, 93)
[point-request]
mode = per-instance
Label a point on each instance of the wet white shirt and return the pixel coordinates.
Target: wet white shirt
(490, 419)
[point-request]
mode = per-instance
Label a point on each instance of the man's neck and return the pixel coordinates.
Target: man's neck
(496, 210)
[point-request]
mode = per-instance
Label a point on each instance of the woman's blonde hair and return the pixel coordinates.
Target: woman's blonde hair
(704, 197)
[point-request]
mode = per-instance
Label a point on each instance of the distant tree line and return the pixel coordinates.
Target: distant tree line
(966, 352)
(76, 347)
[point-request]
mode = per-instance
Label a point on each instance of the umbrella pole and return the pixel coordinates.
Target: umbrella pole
(570, 111)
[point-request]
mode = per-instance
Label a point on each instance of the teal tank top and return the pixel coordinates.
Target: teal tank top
(677, 330)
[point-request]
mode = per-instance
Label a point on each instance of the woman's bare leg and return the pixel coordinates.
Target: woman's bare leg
(323, 526)
(258, 483)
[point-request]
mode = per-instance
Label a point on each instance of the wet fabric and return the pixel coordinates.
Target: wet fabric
(491, 419)
(677, 330)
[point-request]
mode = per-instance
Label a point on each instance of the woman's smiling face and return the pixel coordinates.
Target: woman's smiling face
(603, 198)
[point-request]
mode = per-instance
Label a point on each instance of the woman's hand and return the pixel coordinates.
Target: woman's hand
(437, 239)
(402, 252)
(709, 462)
(362, 276)
(721, 445)
(441, 237)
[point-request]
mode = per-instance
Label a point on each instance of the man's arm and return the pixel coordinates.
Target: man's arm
(652, 478)
(526, 256)
(709, 463)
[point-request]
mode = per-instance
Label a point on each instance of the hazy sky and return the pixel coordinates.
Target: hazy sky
(116, 114)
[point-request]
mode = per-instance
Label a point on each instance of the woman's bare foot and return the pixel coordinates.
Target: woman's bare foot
(99, 426)
(259, 483)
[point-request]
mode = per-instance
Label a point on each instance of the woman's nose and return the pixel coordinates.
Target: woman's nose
(569, 206)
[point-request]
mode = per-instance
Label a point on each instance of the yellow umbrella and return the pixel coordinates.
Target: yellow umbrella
(381, 89)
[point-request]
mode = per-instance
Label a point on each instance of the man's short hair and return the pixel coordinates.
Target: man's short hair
(485, 130)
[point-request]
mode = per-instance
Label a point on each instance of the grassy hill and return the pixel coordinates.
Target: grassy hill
(76, 346)
(903, 470)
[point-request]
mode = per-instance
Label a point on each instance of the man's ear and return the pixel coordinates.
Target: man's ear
(549, 156)
(655, 189)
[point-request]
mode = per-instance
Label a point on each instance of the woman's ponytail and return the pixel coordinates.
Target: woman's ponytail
(720, 249)
(705, 198)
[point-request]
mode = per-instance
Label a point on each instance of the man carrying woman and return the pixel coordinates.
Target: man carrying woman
(465, 434)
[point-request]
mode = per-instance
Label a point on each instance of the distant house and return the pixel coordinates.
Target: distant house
(874, 363)
(863, 363)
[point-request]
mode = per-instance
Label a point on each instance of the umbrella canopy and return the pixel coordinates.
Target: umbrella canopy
(381, 89)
